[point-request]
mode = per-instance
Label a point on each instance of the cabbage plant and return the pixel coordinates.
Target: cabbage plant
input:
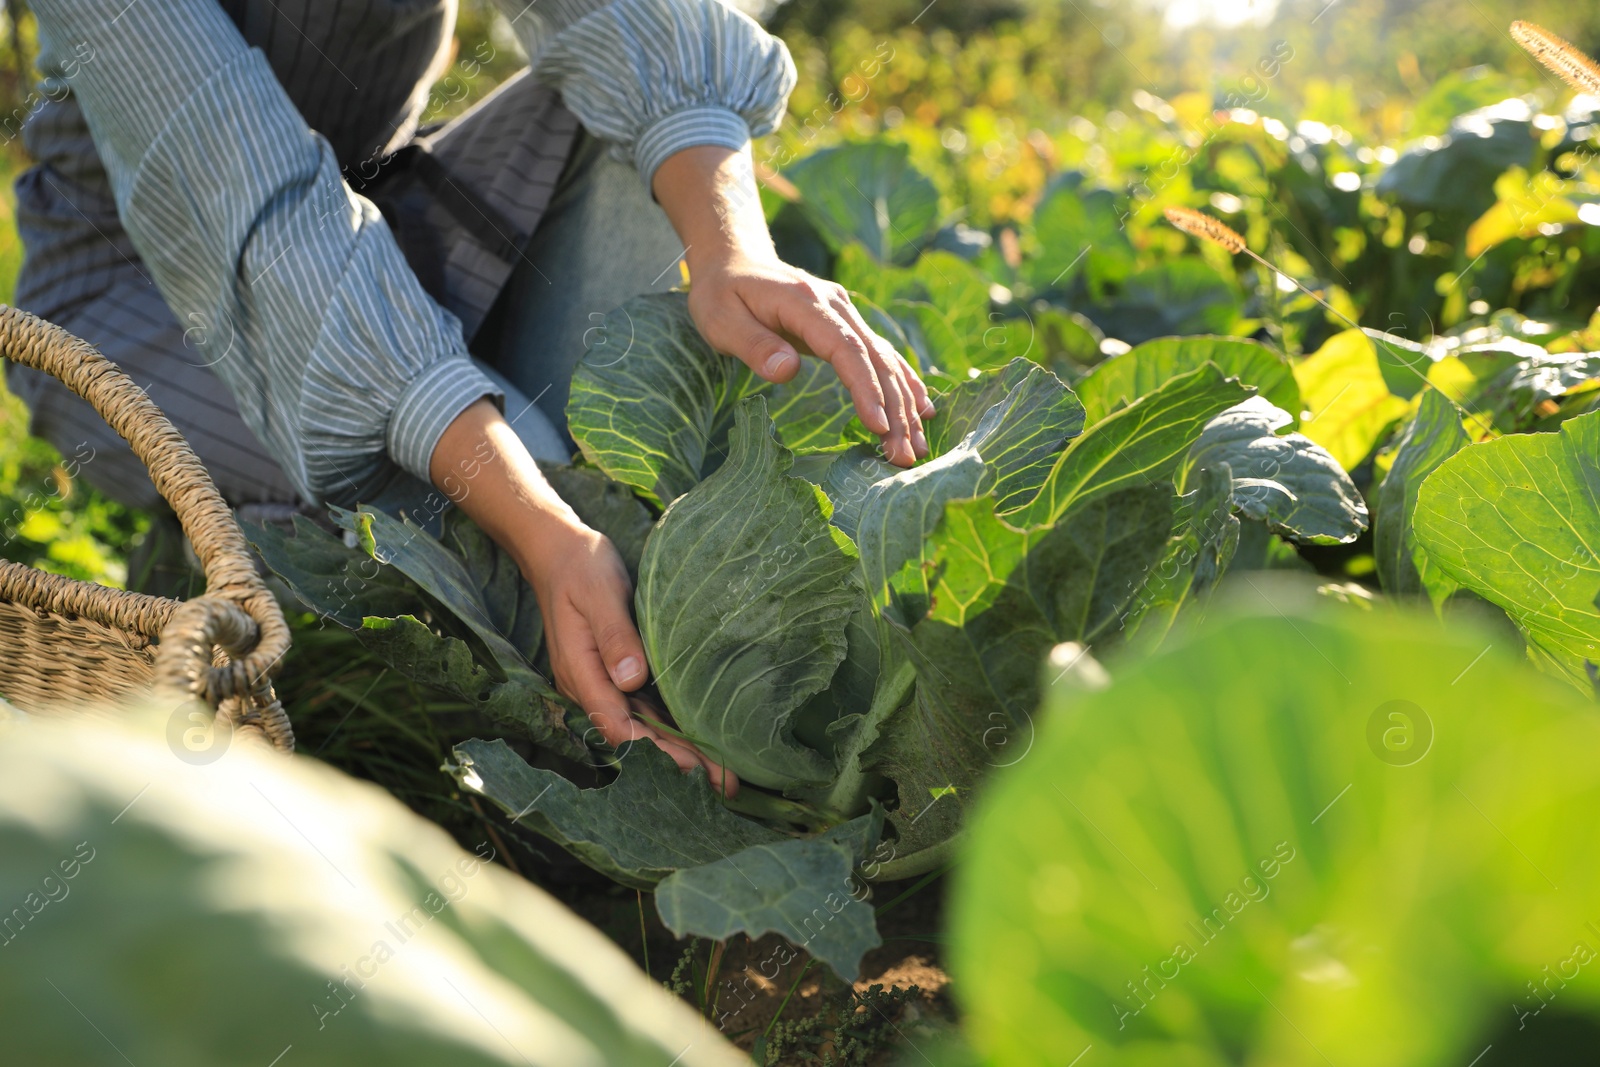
(862, 644)
(252, 909)
(1305, 834)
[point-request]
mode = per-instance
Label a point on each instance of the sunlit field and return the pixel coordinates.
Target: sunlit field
(1219, 689)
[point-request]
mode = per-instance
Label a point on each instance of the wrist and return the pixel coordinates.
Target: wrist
(485, 469)
(726, 256)
(545, 538)
(709, 193)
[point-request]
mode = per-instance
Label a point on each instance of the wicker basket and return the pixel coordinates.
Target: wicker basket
(65, 643)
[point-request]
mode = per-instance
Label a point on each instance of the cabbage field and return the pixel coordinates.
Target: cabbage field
(1221, 687)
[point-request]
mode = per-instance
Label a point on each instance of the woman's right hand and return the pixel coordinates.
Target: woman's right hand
(583, 589)
(595, 651)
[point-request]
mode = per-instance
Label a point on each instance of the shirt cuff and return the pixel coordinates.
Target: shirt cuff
(697, 125)
(429, 405)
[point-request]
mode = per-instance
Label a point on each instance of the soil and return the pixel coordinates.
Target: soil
(762, 987)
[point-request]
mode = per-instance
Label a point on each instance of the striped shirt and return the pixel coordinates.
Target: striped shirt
(238, 213)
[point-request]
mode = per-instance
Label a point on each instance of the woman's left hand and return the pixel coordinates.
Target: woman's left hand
(750, 304)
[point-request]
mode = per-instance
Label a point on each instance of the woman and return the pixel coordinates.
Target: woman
(193, 215)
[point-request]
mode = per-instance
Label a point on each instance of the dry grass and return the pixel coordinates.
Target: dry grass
(1198, 224)
(1569, 64)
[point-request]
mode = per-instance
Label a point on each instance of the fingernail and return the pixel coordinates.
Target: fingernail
(778, 362)
(920, 439)
(628, 670)
(880, 417)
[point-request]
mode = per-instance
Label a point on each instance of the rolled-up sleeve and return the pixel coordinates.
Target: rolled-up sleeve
(658, 76)
(337, 358)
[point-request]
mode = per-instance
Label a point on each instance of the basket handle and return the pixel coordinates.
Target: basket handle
(183, 482)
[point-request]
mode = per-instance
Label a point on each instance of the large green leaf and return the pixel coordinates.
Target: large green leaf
(518, 697)
(1517, 521)
(1289, 482)
(1456, 172)
(1123, 379)
(1141, 444)
(1309, 836)
(332, 579)
(1002, 596)
(743, 594)
(803, 889)
(650, 399)
(999, 599)
(868, 193)
(652, 820)
(998, 435)
(257, 908)
(1205, 537)
(1343, 387)
(507, 598)
(1433, 436)
(900, 512)
(1040, 415)
(847, 480)
(1079, 231)
(494, 616)
(416, 632)
(652, 403)
(946, 281)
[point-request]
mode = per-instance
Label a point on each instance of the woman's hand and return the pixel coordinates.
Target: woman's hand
(752, 305)
(595, 651)
(580, 582)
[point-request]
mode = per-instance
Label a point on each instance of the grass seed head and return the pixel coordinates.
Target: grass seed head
(1198, 224)
(1571, 65)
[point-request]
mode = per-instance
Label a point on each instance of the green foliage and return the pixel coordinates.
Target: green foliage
(1287, 481)
(742, 599)
(846, 632)
(856, 1027)
(1358, 146)
(1455, 173)
(833, 628)
(1517, 521)
(1432, 437)
(1079, 232)
(1352, 408)
(1003, 598)
(988, 180)
(460, 621)
(714, 873)
(1122, 379)
(1305, 835)
(869, 195)
(50, 518)
(772, 887)
(660, 422)
(144, 891)
(686, 826)
(1141, 444)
